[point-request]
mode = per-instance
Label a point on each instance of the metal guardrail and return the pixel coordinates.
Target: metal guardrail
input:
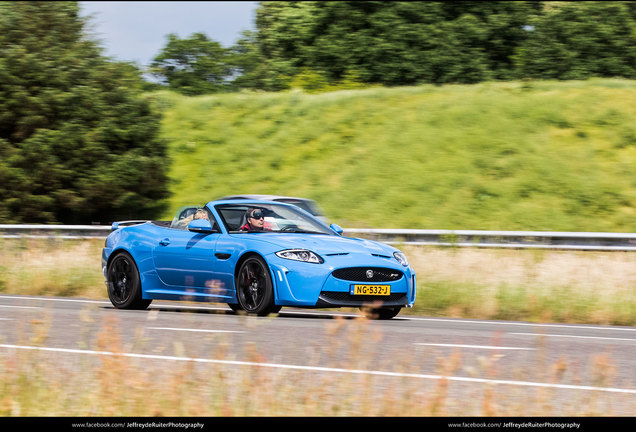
(595, 241)
(54, 231)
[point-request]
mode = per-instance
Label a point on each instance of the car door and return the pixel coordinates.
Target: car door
(185, 260)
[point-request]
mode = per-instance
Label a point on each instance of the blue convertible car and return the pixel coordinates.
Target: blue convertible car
(256, 256)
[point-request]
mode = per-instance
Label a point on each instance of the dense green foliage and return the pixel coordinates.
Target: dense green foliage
(393, 43)
(580, 41)
(542, 155)
(77, 142)
(316, 45)
(194, 65)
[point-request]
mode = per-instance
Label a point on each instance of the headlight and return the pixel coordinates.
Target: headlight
(401, 258)
(300, 255)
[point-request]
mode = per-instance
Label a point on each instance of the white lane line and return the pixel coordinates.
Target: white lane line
(476, 346)
(569, 326)
(402, 318)
(53, 299)
(106, 302)
(155, 306)
(574, 336)
(327, 369)
(20, 307)
(194, 330)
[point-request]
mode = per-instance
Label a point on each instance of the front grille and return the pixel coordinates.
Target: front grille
(359, 274)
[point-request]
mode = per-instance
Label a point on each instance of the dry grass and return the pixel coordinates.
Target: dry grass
(614, 273)
(51, 267)
(532, 285)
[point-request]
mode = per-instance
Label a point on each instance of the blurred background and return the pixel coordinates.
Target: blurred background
(442, 115)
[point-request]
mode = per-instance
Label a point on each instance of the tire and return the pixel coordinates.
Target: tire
(382, 313)
(236, 308)
(254, 288)
(124, 285)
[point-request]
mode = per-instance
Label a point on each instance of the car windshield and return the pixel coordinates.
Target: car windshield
(275, 218)
(308, 206)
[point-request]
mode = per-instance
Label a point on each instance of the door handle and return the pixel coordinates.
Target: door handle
(165, 242)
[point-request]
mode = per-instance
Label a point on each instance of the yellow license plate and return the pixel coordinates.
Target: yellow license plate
(371, 289)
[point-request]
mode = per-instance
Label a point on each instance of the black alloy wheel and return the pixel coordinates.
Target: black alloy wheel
(124, 286)
(254, 287)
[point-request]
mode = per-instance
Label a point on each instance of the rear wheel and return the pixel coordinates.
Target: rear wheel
(124, 285)
(254, 287)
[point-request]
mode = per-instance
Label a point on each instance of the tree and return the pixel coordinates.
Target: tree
(575, 40)
(192, 66)
(249, 68)
(393, 43)
(78, 144)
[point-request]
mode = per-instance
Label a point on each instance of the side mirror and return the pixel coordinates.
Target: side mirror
(200, 226)
(336, 228)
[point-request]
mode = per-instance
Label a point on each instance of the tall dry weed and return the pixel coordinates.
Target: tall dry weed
(536, 285)
(34, 383)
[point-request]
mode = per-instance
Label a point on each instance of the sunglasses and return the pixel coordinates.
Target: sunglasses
(257, 215)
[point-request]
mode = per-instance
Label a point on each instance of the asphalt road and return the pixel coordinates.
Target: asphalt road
(574, 363)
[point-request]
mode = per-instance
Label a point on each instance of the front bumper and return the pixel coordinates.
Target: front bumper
(314, 285)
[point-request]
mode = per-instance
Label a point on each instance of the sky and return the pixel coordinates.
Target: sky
(137, 30)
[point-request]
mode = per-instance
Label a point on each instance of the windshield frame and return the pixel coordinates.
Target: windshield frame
(281, 218)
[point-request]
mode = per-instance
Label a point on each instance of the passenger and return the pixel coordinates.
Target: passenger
(199, 214)
(255, 221)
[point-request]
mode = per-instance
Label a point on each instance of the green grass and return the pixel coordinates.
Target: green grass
(536, 155)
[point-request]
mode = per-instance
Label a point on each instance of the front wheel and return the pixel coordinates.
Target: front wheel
(124, 285)
(254, 287)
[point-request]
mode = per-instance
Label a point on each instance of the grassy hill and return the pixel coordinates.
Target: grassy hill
(537, 155)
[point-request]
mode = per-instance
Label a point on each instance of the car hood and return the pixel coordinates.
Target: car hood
(322, 244)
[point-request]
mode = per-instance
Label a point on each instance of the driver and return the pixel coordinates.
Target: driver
(255, 221)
